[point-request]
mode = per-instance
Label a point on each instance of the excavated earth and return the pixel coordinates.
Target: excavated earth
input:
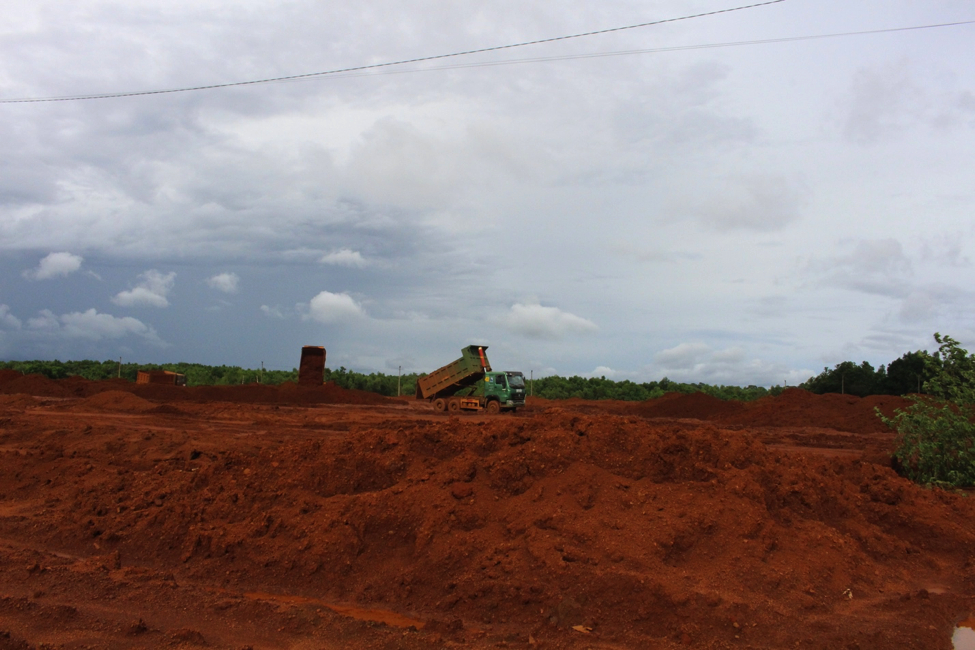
(320, 518)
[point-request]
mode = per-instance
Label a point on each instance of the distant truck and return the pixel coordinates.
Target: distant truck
(160, 377)
(469, 384)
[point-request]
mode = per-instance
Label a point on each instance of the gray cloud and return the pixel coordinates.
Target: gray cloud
(90, 325)
(878, 266)
(272, 312)
(756, 202)
(882, 102)
(7, 320)
(886, 101)
(444, 196)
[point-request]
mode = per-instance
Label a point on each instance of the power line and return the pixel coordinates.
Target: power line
(382, 65)
(655, 50)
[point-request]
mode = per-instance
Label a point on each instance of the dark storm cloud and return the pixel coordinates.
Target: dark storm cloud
(396, 217)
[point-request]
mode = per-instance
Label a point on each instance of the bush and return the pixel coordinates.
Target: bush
(935, 440)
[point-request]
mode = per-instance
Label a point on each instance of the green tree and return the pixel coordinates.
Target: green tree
(908, 373)
(848, 378)
(935, 440)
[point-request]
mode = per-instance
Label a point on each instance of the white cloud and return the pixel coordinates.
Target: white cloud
(331, 308)
(152, 290)
(344, 257)
(696, 361)
(55, 265)
(272, 312)
(604, 371)
(226, 282)
(538, 322)
(90, 325)
(7, 320)
(683, 356)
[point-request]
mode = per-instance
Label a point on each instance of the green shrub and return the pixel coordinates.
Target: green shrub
(935, 440)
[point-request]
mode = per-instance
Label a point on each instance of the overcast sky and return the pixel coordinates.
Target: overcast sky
(743, 214)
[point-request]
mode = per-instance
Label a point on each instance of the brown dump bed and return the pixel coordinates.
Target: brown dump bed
(161, 377)
(311, 372)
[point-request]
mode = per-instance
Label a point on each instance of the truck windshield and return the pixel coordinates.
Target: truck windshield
(516, 381)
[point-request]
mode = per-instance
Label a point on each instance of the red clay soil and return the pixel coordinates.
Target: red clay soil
(12, 382)
(128, 521)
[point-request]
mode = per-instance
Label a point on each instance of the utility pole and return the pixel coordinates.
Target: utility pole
(260, 377)
(399, 380)
(531, 383)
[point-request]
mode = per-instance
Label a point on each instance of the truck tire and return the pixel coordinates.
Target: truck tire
(439, 405)
(453, 405)
(493, 407)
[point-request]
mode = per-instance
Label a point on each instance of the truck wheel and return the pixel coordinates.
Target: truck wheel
(493, 407)
(439, 405)
(453, 405)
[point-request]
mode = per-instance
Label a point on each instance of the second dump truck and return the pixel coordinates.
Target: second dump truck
(469, 384)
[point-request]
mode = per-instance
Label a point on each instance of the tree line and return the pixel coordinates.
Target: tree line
(904, 376)
(595, 388)
(198, 374)
(552, 387)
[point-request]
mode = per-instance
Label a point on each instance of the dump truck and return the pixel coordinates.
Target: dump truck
(160, 377)
(469, 384)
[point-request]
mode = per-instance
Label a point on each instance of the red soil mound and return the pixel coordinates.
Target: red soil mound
(7, 375)
(245, 394)
(116, 400)
(800, 408)
(699, 406)
(259, 394)
(643, 534)
(35, 384)
(794, 407)
(17, 401)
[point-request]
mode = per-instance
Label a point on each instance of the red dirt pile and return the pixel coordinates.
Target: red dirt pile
(36, 384)
(115, 400)
(699, 406)
(12, 382)
(794, 407)
(17, 402)
(554, 529)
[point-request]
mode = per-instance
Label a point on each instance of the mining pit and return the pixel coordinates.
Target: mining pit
(307, 518)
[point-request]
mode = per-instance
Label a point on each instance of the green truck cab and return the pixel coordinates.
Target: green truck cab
(469, 384)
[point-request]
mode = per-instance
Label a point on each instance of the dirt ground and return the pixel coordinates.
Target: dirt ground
(318, 518)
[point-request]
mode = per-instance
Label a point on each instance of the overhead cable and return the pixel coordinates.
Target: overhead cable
(375, 66)
(655, 50)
